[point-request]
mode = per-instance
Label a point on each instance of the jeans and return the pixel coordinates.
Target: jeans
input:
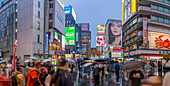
(117, 77)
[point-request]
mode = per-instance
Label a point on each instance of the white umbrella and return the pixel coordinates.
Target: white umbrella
(87, 64)
(28, 60)
(32, 57)
(46, 60)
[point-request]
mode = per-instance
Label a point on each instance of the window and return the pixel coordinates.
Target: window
(166, 10)
(50, 16)
(160, 19)
(154, 7)
(38, 25)
(39, 4)
(154, 18)
(166, 21)
(160, 8)
(51, 5)
(38, 39)
(38, 14)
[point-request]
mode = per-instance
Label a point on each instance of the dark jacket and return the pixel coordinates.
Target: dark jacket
(96, 71)
(117, 68)
(62, 78)
(43, 77)
(134, 80)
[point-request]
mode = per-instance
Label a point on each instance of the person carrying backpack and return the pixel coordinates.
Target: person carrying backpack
(32, 77)
(17, 77)
(62, 77)
(43, 75)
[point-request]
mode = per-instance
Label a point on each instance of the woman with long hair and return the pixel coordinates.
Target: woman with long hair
(115, 34)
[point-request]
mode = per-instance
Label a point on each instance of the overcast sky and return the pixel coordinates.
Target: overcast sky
(95, 12)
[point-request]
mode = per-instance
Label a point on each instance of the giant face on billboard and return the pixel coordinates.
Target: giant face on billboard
(159, 40)
(100, 29)
(84, 27)
(70, 35)
(114, 31)
(99, 41)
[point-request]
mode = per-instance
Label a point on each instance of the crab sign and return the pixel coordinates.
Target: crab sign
(162, 43)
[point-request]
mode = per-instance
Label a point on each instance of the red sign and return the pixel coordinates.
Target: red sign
(162, 43)
(115, 49)
(145, 32)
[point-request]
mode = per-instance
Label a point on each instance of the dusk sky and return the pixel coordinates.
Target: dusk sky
(95, 12)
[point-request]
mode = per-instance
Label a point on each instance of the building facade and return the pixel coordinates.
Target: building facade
(85, 39)
(113, 37)
(146, 32)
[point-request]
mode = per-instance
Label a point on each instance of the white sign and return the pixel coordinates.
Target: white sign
(61, 2)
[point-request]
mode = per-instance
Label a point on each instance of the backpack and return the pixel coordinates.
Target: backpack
(14, 79)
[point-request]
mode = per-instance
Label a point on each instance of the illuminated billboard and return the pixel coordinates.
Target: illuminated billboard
(63, 43)
(47, 42)
(84, 27)
(99, 41)
(69, 10)
(158, 40)
(70, 35)
(3, 2)
(117, 54)
(101, 29)
(114, 31)
(128, 8)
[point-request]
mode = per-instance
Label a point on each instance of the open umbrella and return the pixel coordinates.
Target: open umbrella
(46, 60)
(132, 65)
(87, 64)
(90, 61)
(32, 57)
(100, 60)
(28, 60)
(4, 61)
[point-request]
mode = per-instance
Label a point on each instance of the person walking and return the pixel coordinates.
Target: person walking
(9, 66)
(135, 77)
(117, 68)
(166, 79)
(96, 75)
(62, 77)
(106, 73)
(48, 78)
(32, 77)
(148, 69)
(71, 66)
(17, 77)
(43, 75)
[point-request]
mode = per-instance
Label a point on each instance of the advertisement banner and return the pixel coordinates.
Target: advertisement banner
(70, 35)
(99, 41)
(101, 29)
(114, 31)
(83, 45)
(145, 32)
(68, 10)
(77, 36)
(84, 27)
(47, 43)
(158, 40)
(117, 54)
(63, 43)
(85, 40)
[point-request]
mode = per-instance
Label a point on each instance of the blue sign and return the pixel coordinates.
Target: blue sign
(68, 10)
(47, 43)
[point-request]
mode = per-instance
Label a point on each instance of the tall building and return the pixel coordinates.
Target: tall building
(85, 39)
(26, 22)
(113, 36)
(55, 28)
(146, 32)
(72, 46)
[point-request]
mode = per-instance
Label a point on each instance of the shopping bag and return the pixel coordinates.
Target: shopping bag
(92, 80)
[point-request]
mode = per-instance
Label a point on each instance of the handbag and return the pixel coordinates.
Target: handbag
(92, 80)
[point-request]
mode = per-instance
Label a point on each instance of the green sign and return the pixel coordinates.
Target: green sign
(56, 36)
(70, 35)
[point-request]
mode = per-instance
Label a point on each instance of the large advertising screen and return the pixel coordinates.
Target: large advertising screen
(114, 31)
(63, 43)
(47, 43)
(128, 8)
(70, 35)
(69, 10)
(84, 27)
(100, 29)
(117, 54)
(158, 40)
(99, 41)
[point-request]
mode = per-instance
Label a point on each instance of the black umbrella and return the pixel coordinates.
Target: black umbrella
(100, 60)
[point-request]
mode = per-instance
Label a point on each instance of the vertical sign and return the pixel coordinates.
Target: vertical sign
(15, 46)
(47, 43)
(145, 32)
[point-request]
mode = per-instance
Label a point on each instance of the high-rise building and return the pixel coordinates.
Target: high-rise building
(26, 22)
(72, 46)
(85, 39)
(113, 36)
(146, 32)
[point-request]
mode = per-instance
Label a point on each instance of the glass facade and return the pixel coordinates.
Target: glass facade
(159, 19)
(165, 1)
(160, 8)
